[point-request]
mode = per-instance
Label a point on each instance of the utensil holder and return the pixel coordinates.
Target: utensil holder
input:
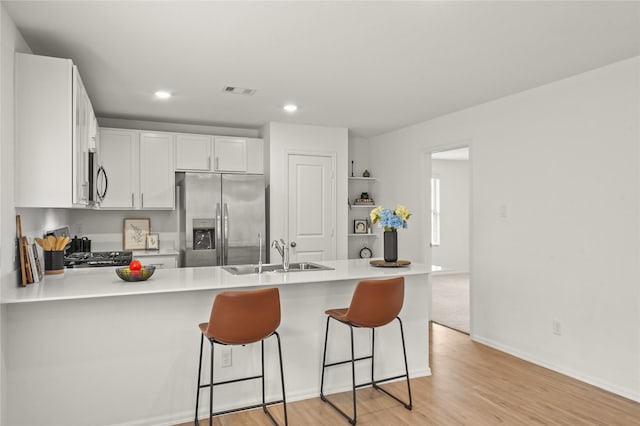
(53, 262)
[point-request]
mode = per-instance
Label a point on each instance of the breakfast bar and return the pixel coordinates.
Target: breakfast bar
(88, 348)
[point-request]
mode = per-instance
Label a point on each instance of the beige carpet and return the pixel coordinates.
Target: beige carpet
(450, 300)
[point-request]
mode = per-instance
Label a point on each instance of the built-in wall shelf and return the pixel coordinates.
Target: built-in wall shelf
(359, 186)
(366, 179)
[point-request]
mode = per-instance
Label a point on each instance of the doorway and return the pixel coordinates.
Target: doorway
(450, 238)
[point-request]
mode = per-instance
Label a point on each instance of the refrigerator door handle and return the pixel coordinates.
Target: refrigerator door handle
(226, 233)
(218, 236)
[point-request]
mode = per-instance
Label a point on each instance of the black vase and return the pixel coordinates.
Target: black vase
(390, 246)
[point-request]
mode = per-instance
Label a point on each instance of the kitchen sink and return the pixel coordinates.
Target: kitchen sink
(293, 267)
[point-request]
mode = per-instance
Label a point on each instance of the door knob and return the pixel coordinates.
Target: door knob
(293, 243)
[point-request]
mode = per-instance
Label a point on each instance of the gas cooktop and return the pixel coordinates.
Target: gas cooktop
(98, 258)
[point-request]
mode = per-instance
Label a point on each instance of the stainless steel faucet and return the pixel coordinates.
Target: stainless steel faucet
(260, 253)
(283, 249)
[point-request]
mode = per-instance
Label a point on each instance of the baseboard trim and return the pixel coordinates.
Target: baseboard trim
(449, 272)
(187, 416)
(594, 381)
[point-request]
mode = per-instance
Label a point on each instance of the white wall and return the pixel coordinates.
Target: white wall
(34, 221)
(104, 227)
(360, 154)
(282, 138)
(453, 251)
(564, 161)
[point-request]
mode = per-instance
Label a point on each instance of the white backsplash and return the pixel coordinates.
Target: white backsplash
(104, 227)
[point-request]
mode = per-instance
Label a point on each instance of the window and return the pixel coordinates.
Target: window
(435, 211)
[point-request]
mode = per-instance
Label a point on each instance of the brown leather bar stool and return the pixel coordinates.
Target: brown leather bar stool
(240, 318)
(374, 303)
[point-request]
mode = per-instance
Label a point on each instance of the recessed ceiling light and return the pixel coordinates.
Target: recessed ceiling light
(290, 107)
(162, 94)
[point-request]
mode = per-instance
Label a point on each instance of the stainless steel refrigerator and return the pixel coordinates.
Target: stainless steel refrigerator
(221, 216)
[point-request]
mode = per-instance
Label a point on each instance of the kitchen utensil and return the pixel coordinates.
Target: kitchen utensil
(61, 242)
(52, 242)
(42, 243)
(143, 274)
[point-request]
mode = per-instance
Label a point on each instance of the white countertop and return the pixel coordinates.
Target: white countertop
(84, 283)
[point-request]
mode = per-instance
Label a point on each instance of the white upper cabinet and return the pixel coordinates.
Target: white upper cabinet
(53, 116)
(193, 152)
(139, 168)
(206, 153)
(157, 180)
(255, 156)
(83, 140)
(230, 155)
(118, 155)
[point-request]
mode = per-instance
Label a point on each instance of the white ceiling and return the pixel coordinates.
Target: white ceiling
(370, 66)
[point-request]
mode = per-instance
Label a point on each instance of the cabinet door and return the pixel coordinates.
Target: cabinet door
(255, 156)
(193, 152)
(43, 126)
(230, 154)
(159, 261)
(118, 156)
(80, 142)
(157, 179)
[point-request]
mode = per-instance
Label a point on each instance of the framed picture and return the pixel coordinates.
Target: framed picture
(360, 226)
(134, 234)
(153, 241)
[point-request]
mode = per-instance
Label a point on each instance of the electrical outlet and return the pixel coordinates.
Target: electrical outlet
(225, 360)
(557, 330)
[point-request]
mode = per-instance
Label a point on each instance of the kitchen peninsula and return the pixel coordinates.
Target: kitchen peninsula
(88, 348)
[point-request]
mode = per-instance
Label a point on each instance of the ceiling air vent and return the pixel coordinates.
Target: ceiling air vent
(238, 90)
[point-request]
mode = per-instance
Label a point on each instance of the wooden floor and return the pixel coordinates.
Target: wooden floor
(471, 384)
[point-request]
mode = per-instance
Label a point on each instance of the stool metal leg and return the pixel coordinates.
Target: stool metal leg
(284, 398)
(353, 374)
(406, 366)
(408, 406)
(211, 388)
(324, 359)
(199, 374)
(375, 383)
(264, 407)
(373, 346)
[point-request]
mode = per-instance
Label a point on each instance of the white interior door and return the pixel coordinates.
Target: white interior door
(311, 208)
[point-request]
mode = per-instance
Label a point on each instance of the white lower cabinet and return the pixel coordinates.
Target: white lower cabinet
(139, 168)
(160, 261)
